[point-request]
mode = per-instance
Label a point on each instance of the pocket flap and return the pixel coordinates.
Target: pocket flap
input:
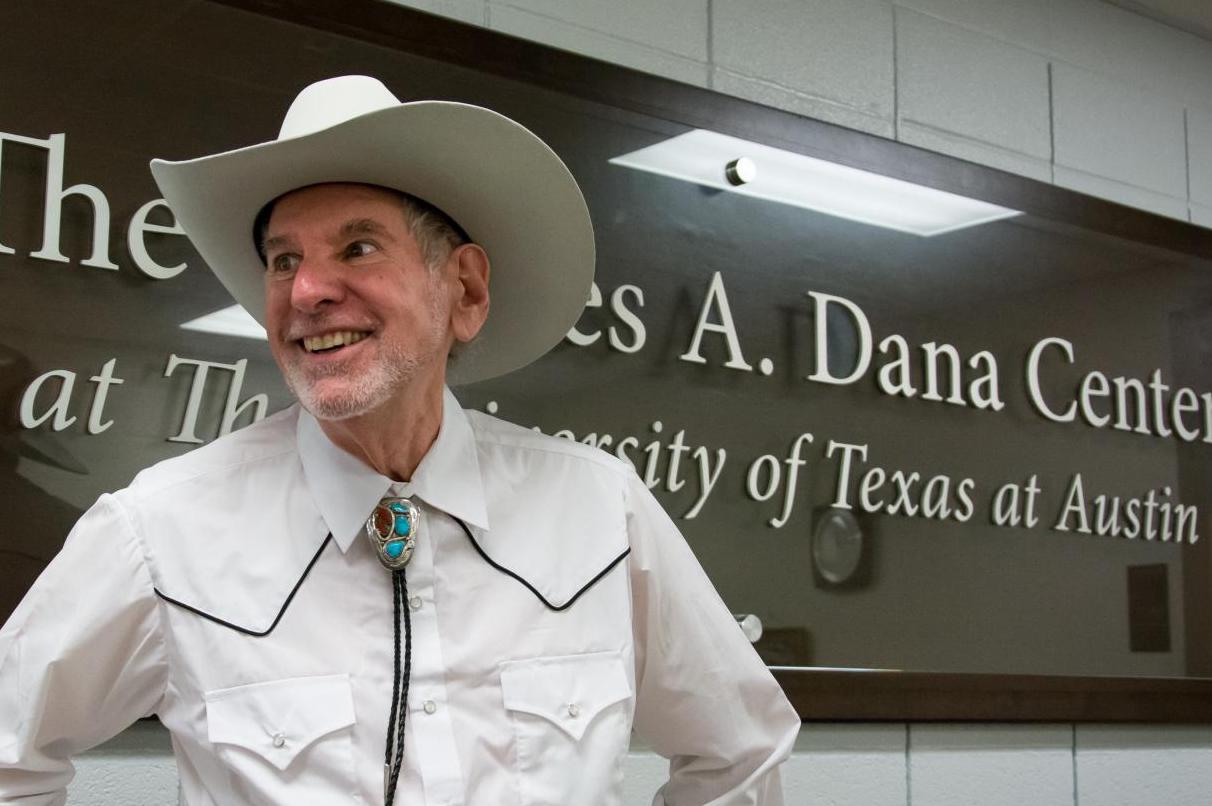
(568, 691)
(278, 719)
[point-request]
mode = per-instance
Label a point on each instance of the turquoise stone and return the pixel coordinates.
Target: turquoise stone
(402, 526)
(398, 507)
(394, 549)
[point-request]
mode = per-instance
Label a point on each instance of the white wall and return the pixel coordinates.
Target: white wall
(1076, 92)
(844, 765)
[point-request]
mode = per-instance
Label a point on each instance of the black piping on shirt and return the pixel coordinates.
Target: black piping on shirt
(245, 630)
(531, 588)
(262, 633)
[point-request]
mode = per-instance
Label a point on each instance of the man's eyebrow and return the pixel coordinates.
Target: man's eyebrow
(350, 229)
(362, 226)
(274, 243)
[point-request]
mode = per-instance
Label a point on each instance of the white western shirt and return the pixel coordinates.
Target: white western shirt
(512, 701)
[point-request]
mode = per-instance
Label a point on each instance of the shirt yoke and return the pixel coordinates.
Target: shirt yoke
(503, 434)
(270, 439)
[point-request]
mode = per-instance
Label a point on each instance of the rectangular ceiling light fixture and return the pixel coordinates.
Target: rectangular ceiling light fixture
(231, 321)
(751, 169)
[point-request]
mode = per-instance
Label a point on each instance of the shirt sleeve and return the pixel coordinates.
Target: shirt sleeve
(81, 658)
(704, 699)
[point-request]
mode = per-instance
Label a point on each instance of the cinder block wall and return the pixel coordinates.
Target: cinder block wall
(1082, 93)
(843, 765)
(1077, 92)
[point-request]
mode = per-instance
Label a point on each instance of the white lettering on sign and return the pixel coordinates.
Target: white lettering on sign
(630, 338)
(58, 409)
(232, 407)
(1014, 504)
(862, 328)
(943, 366)
(55, 147)
(103, 381)
(618, 306)
(1149, 517)
(1122, 403)
(1033, 388)
(61, 406)
(769, 466)
(138, 229)
(906, 493)
(717, 300)
(585, 339)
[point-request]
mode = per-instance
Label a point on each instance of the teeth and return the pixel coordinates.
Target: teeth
(340, 338)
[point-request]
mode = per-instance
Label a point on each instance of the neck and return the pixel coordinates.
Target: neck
(393, 438)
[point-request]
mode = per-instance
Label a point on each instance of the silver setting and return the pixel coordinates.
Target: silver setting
(380, 529)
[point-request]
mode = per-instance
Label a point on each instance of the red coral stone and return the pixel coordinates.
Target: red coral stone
(383, 521)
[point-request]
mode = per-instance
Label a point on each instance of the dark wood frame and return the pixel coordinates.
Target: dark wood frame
(818, 694)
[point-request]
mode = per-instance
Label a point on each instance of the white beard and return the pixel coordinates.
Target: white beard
(359, 395)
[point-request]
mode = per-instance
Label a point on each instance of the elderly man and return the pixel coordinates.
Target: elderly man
(378, 597)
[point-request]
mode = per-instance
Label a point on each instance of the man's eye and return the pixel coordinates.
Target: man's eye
(361, 249)
(284, 263)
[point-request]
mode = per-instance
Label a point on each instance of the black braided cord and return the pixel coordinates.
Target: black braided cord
(399, 692)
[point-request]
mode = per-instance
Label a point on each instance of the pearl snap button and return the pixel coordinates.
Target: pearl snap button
(574, 710)
(430, 706)
(279, 740)
(415, 603)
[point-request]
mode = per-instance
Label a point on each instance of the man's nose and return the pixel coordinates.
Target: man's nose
(317, 283)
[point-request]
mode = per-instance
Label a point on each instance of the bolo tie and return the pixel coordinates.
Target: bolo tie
(392, 528)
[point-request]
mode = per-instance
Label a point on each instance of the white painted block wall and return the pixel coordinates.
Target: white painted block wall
(1076, 92)
(1082, 93)
(843, 765)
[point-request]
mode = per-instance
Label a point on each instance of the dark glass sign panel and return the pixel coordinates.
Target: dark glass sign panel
(980, 446)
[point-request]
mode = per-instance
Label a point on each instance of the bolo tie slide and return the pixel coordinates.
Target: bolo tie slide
(392, 528)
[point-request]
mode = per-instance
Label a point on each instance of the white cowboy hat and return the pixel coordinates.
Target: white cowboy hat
(497, 180)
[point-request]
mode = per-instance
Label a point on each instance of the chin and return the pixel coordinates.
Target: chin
(345, 393)
(344, 398)
(333, 410)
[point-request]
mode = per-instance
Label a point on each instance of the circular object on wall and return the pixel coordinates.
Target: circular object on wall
(751, 625)
(837, 545)
(741, 171)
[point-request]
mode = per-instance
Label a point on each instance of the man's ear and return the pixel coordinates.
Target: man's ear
(470, 307)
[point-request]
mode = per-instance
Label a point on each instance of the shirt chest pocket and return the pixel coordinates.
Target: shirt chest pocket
(571, 717)
(286, 739)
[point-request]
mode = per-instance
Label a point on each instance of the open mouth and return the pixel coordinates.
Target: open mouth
(331, 342)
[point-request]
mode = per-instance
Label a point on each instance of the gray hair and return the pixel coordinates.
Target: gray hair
(436, 233)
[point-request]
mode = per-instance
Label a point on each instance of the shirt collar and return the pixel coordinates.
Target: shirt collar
(345, 489)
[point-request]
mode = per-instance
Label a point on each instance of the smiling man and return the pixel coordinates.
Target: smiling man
(376, 596)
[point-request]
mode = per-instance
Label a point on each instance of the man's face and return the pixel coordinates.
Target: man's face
(355, 318)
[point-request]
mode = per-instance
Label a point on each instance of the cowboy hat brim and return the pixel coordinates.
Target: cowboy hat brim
(502, 184)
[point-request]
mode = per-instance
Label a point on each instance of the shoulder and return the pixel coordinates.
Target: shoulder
(509, 442)
(227, 528)
(267, 442)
